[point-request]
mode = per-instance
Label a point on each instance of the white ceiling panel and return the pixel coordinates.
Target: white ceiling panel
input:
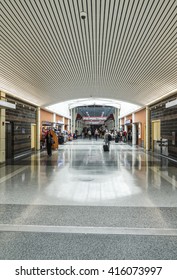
(124, 49)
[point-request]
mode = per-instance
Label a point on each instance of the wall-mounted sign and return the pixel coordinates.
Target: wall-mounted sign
(171, 103)
(94, 122)
(128, 121)
(94, 118)
(6, 105)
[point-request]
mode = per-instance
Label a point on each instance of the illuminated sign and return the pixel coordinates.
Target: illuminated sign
(128, 121)
(94, 118)
(94, 122)
(171, 103)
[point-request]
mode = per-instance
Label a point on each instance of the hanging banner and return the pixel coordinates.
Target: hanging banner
(94, 118)
(94, 122)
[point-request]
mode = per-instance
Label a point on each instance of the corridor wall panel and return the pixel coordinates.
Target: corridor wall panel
(21, 118)
(168, 118)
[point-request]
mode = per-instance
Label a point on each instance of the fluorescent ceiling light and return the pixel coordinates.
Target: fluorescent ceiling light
(7, 105)
(171, 103)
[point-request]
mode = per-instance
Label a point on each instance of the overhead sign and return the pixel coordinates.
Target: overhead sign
(94, 118)
(94, 122)
(7, 105)
(128, 121)
(171, 103)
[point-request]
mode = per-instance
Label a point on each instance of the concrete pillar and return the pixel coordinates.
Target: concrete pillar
(63, 126)
(133, 130)
(2, 131)
(134, 134)
(126, 127)
(147, 129)
(54, 120)
(73, 120)
(125, 121)
(116, 116)
(133, 117)
(38, 128)
(69, 125)
(118, 121)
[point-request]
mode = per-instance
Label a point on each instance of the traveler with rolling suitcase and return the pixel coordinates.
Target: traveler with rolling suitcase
(107, 139)
(117, 137)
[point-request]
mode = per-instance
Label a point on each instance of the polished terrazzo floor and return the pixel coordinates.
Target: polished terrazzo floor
(83, 203)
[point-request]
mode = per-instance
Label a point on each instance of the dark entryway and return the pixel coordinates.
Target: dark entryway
(9, 141)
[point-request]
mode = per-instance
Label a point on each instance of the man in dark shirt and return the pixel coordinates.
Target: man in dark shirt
(49, 142)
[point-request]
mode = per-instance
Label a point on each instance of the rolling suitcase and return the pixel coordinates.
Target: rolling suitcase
(106, 148)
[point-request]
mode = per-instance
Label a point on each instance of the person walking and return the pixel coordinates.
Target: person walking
(49, 142)
(90, 134)
(107, 138)
(96, 134)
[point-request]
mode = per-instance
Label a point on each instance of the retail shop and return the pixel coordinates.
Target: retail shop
(20, 129)
(163, 117)
(135, 126)
(51, 121)
(139, 127)
(128, 128)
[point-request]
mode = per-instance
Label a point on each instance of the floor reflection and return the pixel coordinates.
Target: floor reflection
(80, 173)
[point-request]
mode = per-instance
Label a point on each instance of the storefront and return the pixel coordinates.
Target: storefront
(20, 129)
(139, 127)
(135, 127)
(50, 121)
(128, 128)
(163, 117)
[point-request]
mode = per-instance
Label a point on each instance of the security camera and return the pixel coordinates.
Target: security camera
(83, 15)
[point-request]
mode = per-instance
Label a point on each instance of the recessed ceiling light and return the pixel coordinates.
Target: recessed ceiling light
(83, 15)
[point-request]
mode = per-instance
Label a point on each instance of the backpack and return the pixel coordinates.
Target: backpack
(109, 137)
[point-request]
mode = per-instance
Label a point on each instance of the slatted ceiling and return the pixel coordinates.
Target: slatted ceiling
(123, 50)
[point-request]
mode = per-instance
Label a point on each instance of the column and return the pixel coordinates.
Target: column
(117, 126)
(147, 129)
(38, 128)
(73, 120)
(134, 134)
(125, 126)
(69, 125)
(54, 120)
(2, 131)
(63, 126)
(133, 129)
(118, 119)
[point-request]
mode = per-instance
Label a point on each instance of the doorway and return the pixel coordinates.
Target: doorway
(33, 136)
(9, 141)
(144, 136)
(156, 134)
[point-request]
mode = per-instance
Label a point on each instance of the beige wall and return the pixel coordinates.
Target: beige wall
(66, 121)
(59, 118)
(129, 117)
(122, 121)
(140, 117)
(46, 116)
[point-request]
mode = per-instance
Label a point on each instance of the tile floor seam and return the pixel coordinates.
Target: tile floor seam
(88, 230)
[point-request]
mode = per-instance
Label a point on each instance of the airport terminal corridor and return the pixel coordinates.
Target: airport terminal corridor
(84, 203)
